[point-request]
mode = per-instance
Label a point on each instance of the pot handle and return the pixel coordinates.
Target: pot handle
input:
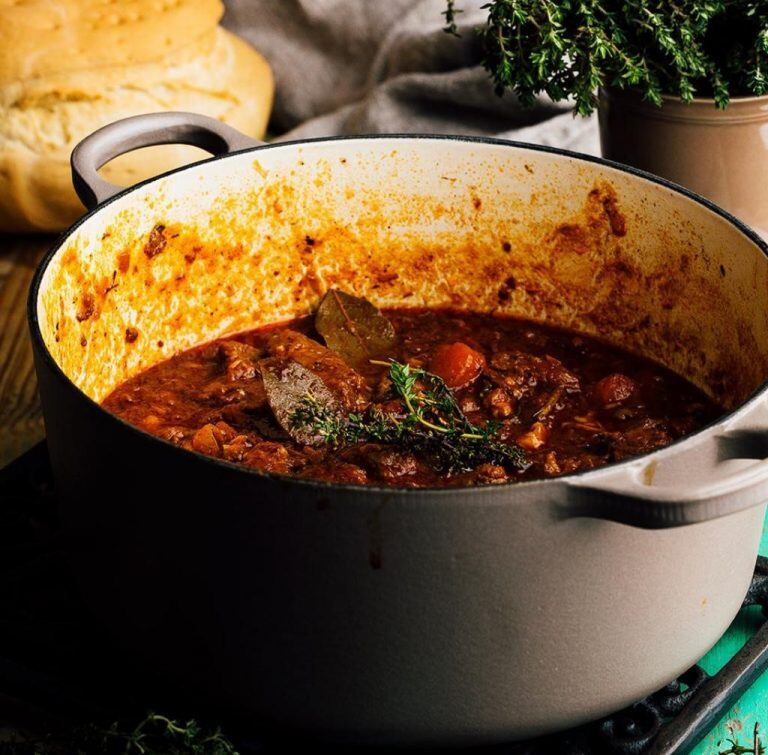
(147, 130)
(723, 472)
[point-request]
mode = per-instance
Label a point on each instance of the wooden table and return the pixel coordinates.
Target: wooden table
(21, 423)
(21, 427)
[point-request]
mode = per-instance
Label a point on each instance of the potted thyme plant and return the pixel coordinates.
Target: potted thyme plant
(680, 87)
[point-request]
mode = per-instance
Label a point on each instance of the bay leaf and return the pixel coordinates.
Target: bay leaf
(354, 328)
(287, 383)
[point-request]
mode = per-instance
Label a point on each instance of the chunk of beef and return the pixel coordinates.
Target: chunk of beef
(237, 448)
(236, 387)
(568, 463)
(499, 403)
(204, 441)
(239, 360)
(347, 385)
(521, 373)
(614, 388)
(173, 433)
(342, 472)
(270, 456)
(211, 438)
(645, 436)
(388, 463)
(236, 381)
(490, 474)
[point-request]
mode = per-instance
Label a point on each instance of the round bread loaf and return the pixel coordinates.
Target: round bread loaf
(68, 67)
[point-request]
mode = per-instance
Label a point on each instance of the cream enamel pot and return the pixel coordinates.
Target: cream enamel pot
(449, 616)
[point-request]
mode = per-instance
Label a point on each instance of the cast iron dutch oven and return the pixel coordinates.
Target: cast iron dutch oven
(394, 615)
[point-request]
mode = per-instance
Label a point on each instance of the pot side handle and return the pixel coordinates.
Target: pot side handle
(723, 472)
(147, 130)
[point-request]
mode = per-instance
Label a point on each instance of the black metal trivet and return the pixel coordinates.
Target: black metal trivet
(57, 665)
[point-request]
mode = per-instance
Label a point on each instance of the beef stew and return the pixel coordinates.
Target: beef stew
(435, 398)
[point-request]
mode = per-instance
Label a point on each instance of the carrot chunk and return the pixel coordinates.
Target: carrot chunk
(456, 363)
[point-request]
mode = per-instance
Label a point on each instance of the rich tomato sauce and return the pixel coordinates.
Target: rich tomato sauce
(568, 401)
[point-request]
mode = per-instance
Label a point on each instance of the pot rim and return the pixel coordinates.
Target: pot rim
(323, 485)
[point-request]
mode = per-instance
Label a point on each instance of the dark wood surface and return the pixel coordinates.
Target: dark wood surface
(21, 424)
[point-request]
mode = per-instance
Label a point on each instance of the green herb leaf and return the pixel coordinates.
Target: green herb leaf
(153, 735)
(354, 328)
(567, 49)
(450, 14)
(431, 423)
(755, 747)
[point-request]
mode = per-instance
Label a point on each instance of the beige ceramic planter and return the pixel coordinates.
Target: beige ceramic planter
(722, 155)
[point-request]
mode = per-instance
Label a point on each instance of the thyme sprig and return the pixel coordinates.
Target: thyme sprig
(450, 13)
(755, 747)
(569, 48)
(153, 735)
(430, 422)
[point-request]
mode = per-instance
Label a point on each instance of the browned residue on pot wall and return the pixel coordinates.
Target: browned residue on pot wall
(635, 267)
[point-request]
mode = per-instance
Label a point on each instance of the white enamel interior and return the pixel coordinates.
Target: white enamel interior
(259, 236)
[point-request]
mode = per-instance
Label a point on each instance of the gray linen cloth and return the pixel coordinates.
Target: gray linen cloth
(387, 66)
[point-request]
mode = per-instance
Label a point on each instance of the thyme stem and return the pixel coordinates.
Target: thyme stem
(432, 423)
